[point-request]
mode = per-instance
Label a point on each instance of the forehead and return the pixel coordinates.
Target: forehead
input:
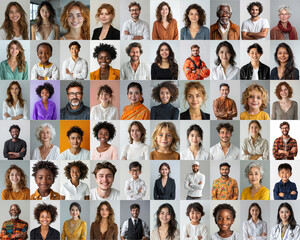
(255, 169)
(74, 168)
(14, 130)
(74, 89)
(74, 9)
(224, 88)
(195, 165)
(75, 134)
(225, 212)
(135, 210)
(134, 89)
(44, 171)
(134, 49)
(44, 47)
(104, 171)
(224, 8)
(223, 129)
(13, 207)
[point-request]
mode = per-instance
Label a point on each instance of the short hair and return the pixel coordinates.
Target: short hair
(158, 12)
(197, 207)
(224, 85)
(286, 8)
(45, 164)
(251, 206)
(200, 11)
(41, 207)
(41, 127)
(195, 127)
(141, 128)
(48, 86)
(171, 127)
(257, 4)
(134, 4)
(223, 206)
(284, 123)
(23, 177)
(224, 164)
(257, 47)
(75, 204)
(135, 205)
(14, 126)
(74, 84)
(227, 126)
(75, 43)
(106, 125)
(164, 164)
(103, 47)
(254, 165)
(107, 165)
(195, 46)
(284, 166)
(170, 86)
(132, 45)
(278, 89)
(291, 220)
(105, 88)
(231, 51)
(135, 164)
(195, 84)
(247, 93)
(224, 5)
(17, 206)
(110, 9)
(82, 167)
(75, 129)
(44, 44)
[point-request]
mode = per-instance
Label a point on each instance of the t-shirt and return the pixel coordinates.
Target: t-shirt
(255, 27)
(114, 195)
(82, 155)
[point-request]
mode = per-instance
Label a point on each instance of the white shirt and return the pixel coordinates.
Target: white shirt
(156, 236)
(13, 112)
(82, 155)
(136, 151)
(100, 113)
(216, 152)
(51, 72)
(3, 35)
(78, 68)
(74, 193)
(191, 184)
(255, 27)
(234, 236)
(139, 28)
(188, 155)
(232, 73)
(53, 154)
(125, 228)
(191, 232)
(289, 234)
(141, 73)
(250, 229)
(259, 147)
(132, 187)
(114, 195)
(255, 74)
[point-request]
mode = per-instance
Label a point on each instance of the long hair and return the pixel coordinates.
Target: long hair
(290, 65)
(111, 216)
(172, 224)
(8, 26)
(52, 14)
(20, 57)
(158, 10)
(292, 221)
(251, 206)
(9, 100)
(85, 29)
(75, 204)
(23, 181)
(171, 59)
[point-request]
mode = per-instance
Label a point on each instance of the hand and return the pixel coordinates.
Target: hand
(230, 112)
(40, 77)
(204, 68)
(22, 150)
(199, 237)
(263, 234)
(6, 115)
(293, 192)
(281, 194)
(246, 152)
(138, 37)
(126, 32)
(67, 71)
(144, 238)
(140, 190)
(200, 183)
(294, 150)
(193, 71)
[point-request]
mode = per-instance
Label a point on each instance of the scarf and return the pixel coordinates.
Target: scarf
(287, 30)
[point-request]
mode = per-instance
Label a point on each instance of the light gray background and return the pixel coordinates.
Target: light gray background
(274, 205)
(245, 59)
(234, 4)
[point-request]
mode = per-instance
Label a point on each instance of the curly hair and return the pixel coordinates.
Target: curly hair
(171, 59)
(52, 14)
(9, 100)
(141, 128)
(201, 13)
(74, 84)
(196, 207)
(41, 127)
(171, 128)
(247, 93)
(45, 44)
(103, 47)
(278, 89)
(47, 86)
(136, 85)
(14, 127)
(134, 4)
(227, 126)
(231, 51)
(132, 45)
(223, 206)
(195, 84)
(82, 167)
(111, 216)
(254, 165)
(45, 165)
(170, 86)
(23, 178)
(110, 9)
(75, 129)
(249, 213)
(21, 56)
(7, 25)
(158, 10)
(85, 12)
(196, 128)
(74, 43)
(106, 125)
(257, 4)
(107, 165)
(41, 207)
(290, 65)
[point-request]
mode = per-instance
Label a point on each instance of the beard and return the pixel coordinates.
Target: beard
(14, 217)
(75, 104)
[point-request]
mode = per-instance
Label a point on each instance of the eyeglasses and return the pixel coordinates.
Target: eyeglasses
(72, 94)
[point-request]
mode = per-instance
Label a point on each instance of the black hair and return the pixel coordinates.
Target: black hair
(14, 126)
(106, 125)
(44, 44)
(257, 4)
(172, 223)
(225, 164)
(224, 85)
(75, 129)
(292, 221)
(170, 86)
(74, 43)
(82, 167)
(74, 84)
(134, 165)
(231, 51)
(284, 166)
(135, 205)
(257, 46)
(41, 207)
(103, 47)
(48, 165)
(254, 205)
(197, 207)
(76, 205)
(290, 65)
(223, 206)
(47, 86)
(196, 128)
(137, 85)
(227, 125)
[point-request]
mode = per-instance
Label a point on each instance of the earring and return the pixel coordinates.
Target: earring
(141, 99)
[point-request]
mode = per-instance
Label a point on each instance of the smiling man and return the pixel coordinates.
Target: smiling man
(194, 182)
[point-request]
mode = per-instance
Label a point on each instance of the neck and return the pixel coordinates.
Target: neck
(45, 63)
(225, 177)
(14, 140)
(254, 137)
(75, 151)
(164, 19)
(46, 21)
(75, 107)
(164, 226)
(45, 101)
(104, 69)
(194, 25)
(104, 220)
(255, 219)
(225, 144)
(15, 25)
(165, 60)
(255, 64)
(285, 136)
(256, 186)
(194, 148)
(135, 20)
(46, 145)
(106, 25)
(44, 193)
(75, 33)
(15, 187)
(164, 149)
(225, 232)
(225, 64)
(285, 100)
(195, 223)
(75, 218)
(44, 228)
(254, 111)
(12, 59)
(15, 98)
(284, 25)
(75, 58)
(195, 111)
(104, 104)
(254, 19)
(103, 193)
(75, 182)
(285, 222)
(164, 177)
(135, 63)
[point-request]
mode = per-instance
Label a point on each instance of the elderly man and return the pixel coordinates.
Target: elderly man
(224, 29)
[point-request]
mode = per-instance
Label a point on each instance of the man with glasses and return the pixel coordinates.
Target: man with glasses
(75, 109)
(135, 28)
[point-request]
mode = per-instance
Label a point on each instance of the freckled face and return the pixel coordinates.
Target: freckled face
(75, 18)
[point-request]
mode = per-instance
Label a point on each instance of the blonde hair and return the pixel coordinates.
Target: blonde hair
(247, 93)
(20, 57)
(171, 128)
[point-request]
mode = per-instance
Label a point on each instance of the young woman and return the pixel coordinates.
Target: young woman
(164, 187)
(45, 27)
(15, 67)
(14, 106)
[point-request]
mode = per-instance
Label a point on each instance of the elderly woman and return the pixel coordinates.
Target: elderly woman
(45, 133)
(255, 172)
(284, 30)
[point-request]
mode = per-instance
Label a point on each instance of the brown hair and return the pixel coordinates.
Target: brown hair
(278, 89)
(201, 12)
(257, 123)
(107, 165)
(111, 218)
(110, 9)
(9, 100)
(198, 86)
(142, 129)
(20, 57)
(172, 129)
(134, 4)
(247, 93)
(159, 8)
(23, 181)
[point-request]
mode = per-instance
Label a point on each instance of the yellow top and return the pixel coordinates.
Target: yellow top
(262, 194)
(11, 195)
(260, 116)
(78, 232)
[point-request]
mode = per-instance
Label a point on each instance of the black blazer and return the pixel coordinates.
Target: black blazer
(53, 234)
(186, 115)
(112, 34)
(167, 192)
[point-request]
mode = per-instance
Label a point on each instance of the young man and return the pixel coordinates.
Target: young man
(194, 182)
(194, 68)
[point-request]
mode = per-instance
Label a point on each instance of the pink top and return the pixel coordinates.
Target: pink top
(109, 154)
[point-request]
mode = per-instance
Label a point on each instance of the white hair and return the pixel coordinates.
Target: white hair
(225, 5)
(284, 7)
(41, 127)
(252, 165)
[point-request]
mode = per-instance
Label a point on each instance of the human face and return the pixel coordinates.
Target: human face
(254, 55)
(105, 17)
(103, 135)
(164, 11)
(14, 14)
(193, 16)
(135, 172)
(14, 133)
(104, 179)
(164, 171)
(255, 100)
(224, 91)
(75, 19)
(224, 171)
(14, 90)
(134, 95)
(104, 211)
(254, 12)
(135, 54)
(44, 53)
(194, 138)
(284, 215)
(164, 139)
(75, 96)
(164, 52)
(45, 218)
(194, 98)
(105, 97)
(282, 55)
(75, 140)
(195, 216)
(14, 177)
(135, 12)
(254, 175)
(14, 212)
(225, 135)
(224, 219)
(284, 16)
(285, 130)
(74, 212)
(45, 94)
(135, 212)
(224, 54)
(224, 15)
(195, 168)
(195, 52)
(164, 216)
(254, 211)
(104, 59)
(135, 133)
(14, 50)
(254, 129)
(44, 179)
(74, 50)
(75, 173)
(44, 12)
(165, 95)
(285, 175)
(284, 92)
(45, 134)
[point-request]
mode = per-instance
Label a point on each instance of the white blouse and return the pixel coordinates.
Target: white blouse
(191, 232)
(254, 230)
(13, 112)
(100, 113)
(188, 155)
(260, 147)
(232, 73)
(53, 154)
(136, 151)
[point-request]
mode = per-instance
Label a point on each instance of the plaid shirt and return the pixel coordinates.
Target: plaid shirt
(12, 227)
(225, 189)
(279, 145)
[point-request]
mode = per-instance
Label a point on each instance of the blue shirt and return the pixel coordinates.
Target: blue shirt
(202, 34)
(285, 188)
(7, 74)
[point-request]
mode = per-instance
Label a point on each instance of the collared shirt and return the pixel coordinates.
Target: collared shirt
(225, 189)
(188, 155)
(260, 147)
(13, 112)
(37, 196)
(279, 145)
(217, 153)
(132, 187)
(40, 113)
(12, 227)
(141, 73)
(191, 184)
(234, 236)
(139, 28)
(124, 228)
(222, 106)
(232, 73)
(191, 232)
(100, 113)
(50, 72)
(254, 230)
(286, 189)
(7, 74)
(224, 30)
(79, 68)
(114, 195)
(74, 193)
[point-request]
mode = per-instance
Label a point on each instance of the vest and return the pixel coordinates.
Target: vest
(135, 232)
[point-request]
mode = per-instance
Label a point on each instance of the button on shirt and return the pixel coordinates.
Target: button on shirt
(216, 152)
(260, 147)
(225, 189)
(50, 72)
(74, 193)
(286, 189)
(125, 228)
(254, 230)
(188, 155)
(79, 68)
(191, 184)
(132, 187)
(232, 73)
(139, 28)
(141, 73)
(13, 112)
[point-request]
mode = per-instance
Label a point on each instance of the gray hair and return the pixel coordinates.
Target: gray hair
(225, 5)
(41, 127)
(252, 165)
(17, 206)
(284, 7)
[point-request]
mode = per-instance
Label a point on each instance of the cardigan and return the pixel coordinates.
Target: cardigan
(164, 112)
(274, 74)
(53, 234)
(186, 115)
(112, 34)
(111, 233)
(167, 192)
(279, 114)
(159, 32)
(277, 34)
(114, 74)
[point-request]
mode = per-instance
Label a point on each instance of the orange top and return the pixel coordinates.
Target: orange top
(135, 112)
(192, 73)
(11, 195)
(114, 74)
(161, 33)
(37, 195)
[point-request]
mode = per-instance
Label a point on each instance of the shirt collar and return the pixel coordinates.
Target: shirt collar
(50, 64)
